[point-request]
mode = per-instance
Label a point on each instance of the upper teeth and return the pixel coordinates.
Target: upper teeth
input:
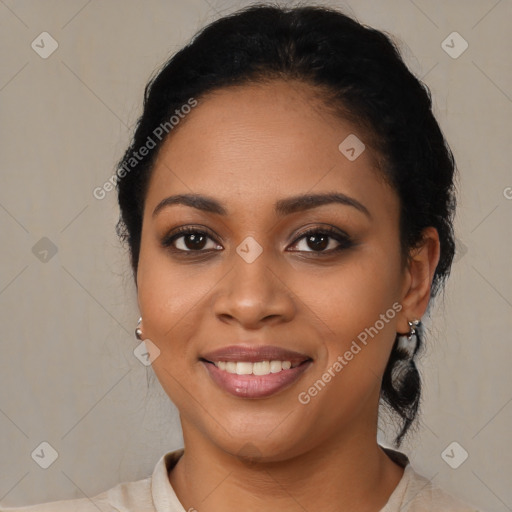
(259, 368)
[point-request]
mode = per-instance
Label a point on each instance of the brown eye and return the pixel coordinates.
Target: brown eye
(189, 240)
(193, 241)
(318, 240)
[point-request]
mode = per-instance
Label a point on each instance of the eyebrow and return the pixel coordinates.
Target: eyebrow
(282, 207)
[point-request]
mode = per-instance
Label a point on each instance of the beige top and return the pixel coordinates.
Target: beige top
(414, 493)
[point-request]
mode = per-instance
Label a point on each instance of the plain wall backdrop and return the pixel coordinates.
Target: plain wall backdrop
(67, 301)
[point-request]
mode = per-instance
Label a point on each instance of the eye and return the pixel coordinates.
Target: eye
(320, 239)
(189, 240)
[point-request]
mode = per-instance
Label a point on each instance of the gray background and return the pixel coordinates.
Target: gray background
(68, 373)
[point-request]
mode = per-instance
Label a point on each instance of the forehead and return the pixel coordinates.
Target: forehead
(249, 144)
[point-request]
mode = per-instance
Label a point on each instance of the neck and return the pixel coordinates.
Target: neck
(353, 473)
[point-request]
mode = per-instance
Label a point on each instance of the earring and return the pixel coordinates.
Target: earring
(138, 330)
(407, 342)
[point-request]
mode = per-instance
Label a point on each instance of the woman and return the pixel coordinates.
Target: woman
(287, 200)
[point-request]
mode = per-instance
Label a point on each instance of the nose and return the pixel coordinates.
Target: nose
(254, 295)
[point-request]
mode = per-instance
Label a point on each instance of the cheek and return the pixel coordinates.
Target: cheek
(360, 309)
(169, 299)
(169, 296)
(356, 304)
(359, 292)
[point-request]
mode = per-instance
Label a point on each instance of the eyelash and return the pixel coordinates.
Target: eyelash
(345, 242)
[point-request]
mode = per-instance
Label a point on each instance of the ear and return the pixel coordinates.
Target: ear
(418, 277)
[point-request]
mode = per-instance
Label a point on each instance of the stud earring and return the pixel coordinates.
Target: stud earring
(138, 330)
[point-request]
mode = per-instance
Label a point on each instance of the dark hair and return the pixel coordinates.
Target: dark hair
(360, 75)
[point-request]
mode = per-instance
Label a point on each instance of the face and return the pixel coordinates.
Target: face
(256, 267)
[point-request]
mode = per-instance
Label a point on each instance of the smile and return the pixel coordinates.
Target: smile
(257, 368)
(258, 379)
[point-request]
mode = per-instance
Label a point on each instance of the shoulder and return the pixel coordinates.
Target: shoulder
(137, 496)
(131, 496)
(121, 498)
(416, 493)
(422, 495)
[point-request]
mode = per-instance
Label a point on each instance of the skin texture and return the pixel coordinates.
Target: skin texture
(248, 147)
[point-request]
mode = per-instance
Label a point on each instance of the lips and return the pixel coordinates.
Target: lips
(253, 354)
(253, 385)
